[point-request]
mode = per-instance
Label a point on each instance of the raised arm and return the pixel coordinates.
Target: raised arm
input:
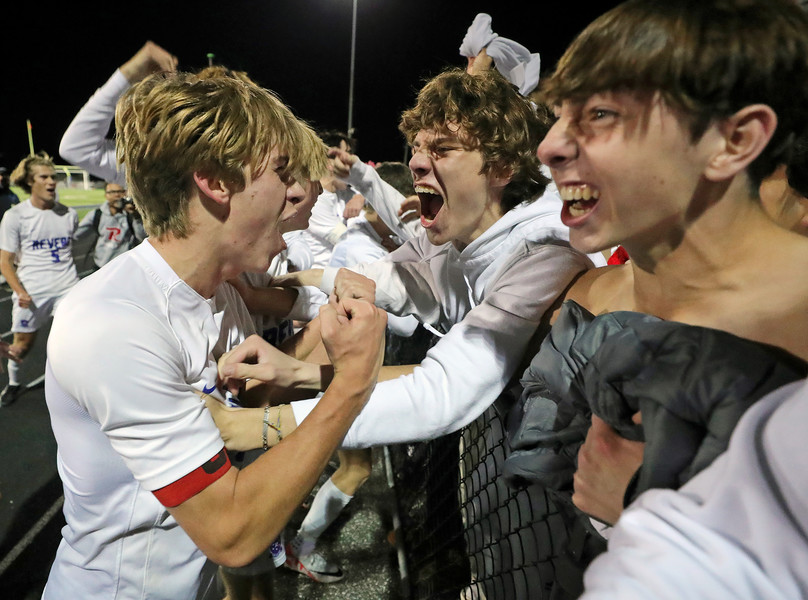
(252, 505)
(85, 142)
(379, 194)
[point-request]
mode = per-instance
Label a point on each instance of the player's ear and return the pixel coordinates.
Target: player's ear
(743, 136)
(212, 187)
(802, 206)
(500, 175)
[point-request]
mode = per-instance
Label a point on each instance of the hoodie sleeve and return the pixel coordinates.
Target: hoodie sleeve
(472, 364)
(405, 283)
(383, 197)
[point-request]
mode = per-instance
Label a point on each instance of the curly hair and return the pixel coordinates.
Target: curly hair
(493, 118)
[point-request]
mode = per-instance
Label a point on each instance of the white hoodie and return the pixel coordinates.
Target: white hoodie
(489, 298)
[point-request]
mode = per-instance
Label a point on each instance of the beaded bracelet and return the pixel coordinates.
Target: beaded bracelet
(267, 425)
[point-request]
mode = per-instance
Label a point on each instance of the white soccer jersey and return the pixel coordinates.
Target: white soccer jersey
(41, 241)
(273, 330)
(128, 346)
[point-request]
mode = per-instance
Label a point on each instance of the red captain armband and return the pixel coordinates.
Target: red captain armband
(194, 482)
(618, 257)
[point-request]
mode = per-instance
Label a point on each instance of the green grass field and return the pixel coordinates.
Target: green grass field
(82, 200)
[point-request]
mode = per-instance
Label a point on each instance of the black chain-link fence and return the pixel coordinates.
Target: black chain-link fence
(467, 535)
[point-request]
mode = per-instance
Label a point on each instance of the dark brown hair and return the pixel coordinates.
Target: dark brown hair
(493, 118)
(708, 58)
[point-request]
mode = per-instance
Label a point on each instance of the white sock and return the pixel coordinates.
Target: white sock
(13, 373)
(326, 507)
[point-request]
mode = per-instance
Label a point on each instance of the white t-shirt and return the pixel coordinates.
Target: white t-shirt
(736, 530)
(127, 347)
(41, 241)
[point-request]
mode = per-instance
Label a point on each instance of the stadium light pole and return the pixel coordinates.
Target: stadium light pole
(353, 62)
(30, 136)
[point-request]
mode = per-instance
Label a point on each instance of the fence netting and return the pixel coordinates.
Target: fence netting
(469, 536)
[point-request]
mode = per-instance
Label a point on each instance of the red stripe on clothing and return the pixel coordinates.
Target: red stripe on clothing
(618, 257)
(194, 482)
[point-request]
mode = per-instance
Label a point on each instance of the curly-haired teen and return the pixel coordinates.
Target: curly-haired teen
(486, 271)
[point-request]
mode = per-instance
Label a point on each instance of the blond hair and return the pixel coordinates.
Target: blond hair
(172, 125)
(24, 171)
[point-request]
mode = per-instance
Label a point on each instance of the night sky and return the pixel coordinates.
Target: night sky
(298, 48)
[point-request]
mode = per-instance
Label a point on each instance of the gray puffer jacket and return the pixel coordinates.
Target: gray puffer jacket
(692, 384)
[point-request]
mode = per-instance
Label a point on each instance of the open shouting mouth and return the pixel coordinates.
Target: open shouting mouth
(579, 200)
(431, 204)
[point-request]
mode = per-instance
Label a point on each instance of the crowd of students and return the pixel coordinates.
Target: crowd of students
(250, 325)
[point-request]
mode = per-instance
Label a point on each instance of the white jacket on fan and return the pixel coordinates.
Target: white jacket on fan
(489, 299)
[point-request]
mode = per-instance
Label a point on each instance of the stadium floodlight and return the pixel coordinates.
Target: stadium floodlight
(353, 61)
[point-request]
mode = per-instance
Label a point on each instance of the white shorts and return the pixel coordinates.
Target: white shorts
(29, 320)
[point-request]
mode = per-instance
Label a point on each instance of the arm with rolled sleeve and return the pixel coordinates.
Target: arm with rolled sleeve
(471, 365)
